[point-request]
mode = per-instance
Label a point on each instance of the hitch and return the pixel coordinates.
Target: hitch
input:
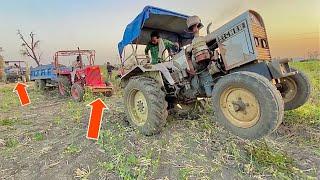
(280, 69)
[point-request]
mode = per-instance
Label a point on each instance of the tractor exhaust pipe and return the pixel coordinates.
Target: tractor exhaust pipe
(208, 28)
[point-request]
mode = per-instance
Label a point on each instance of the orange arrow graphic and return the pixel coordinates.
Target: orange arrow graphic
(97, 108)
(22, 93)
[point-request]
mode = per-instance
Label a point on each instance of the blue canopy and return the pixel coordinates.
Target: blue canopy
(171, 25)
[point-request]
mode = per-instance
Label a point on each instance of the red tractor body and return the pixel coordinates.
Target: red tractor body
(76, 80)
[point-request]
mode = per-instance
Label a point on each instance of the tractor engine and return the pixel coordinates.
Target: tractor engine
(193, 76)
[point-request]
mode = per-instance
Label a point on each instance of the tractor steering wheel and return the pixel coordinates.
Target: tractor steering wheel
(144, 61)
(167, 58)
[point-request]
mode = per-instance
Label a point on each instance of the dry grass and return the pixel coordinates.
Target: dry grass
(186, 149)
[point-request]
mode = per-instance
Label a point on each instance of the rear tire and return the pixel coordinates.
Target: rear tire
(11, 80)
(295, 90)
(247, 104)
(42, 84)
(77, 92)
(36, 85)
(146, 106)
(64, 86)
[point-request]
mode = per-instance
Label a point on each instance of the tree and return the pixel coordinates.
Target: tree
(1, 65)
(30, 49)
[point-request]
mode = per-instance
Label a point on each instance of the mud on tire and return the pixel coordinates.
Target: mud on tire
(145, 104)
(259, 101)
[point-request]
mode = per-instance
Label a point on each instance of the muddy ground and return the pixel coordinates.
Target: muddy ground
(46, 140)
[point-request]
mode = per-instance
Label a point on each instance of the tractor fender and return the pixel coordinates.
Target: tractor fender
(156, 72)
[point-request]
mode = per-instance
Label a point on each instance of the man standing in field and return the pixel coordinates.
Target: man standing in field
(157, 46)
(109, 69)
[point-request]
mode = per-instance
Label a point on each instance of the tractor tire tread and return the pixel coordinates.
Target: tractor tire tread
(304, 91)
(66, 82)
(157, 106)
(268, 97)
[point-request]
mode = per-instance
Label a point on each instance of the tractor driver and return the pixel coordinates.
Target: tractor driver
(75, 66)
(157, 46)
(194, 25)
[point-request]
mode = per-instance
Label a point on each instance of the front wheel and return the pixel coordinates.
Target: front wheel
(77, 92)
(247, 104)
(146, 106)
(295, 90)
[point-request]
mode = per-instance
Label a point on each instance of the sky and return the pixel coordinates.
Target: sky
(293, 26)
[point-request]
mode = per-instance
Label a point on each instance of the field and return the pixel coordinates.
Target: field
(46, 140)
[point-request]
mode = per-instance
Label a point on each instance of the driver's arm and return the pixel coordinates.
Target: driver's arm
(172, 47)
(146, 52)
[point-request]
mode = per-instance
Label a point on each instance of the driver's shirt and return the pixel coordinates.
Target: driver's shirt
(154, 49)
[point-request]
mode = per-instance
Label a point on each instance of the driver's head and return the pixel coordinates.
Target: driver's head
(155, 37)
(194, 24)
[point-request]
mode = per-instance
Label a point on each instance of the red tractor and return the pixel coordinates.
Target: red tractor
(78, 77)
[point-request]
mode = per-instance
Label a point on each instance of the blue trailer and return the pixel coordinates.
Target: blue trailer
(44, 76)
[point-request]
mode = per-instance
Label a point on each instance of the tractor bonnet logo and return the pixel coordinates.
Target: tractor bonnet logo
(231, 32)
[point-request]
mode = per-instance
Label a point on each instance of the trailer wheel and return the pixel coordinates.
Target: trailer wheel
(40, 84)
(9, 80)
(146, 106)
(77, 92)
(295, 90)
(36, 84)
(64, 86)
(247, 104)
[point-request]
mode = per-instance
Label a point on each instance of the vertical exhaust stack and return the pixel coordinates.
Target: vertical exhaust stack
(208, 28)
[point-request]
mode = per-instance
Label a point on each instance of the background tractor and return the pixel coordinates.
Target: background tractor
(16, 70)
(86, 76)
(231, 65)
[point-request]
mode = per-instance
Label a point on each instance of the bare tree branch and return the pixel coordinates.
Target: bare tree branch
(31, 36)
(29, 49)
(24, 41)
(40, 55)
(28, 53)
(36, 44)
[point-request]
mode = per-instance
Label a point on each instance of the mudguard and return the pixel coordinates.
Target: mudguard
(156, 72)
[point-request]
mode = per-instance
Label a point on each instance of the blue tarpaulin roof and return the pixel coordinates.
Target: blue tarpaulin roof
(153, 18)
